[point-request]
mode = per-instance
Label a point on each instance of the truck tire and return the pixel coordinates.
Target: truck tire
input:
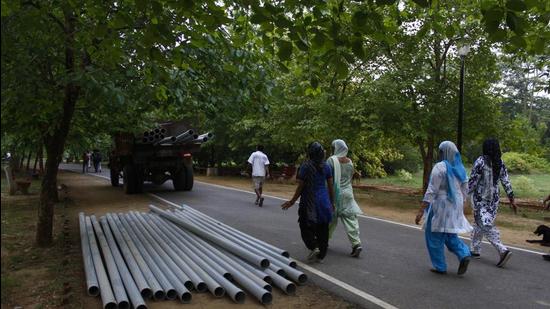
(132, 180)
(115, 175)
(183, 179)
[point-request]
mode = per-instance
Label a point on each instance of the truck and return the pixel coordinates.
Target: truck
(165, 153)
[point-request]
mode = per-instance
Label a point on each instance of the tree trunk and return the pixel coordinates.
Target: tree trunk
(56, 142)
(427, 160)
(29, 160)
(41, 160)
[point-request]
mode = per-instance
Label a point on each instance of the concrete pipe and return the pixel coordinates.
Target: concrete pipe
(240, 274)
(263, 243)
(105, 289)
(129, 284)
(92, 286)
(156, 263)
(159, 242)
(112, 270)
(226, 231)
(200, 259)
(171, 269)
(255, 259)
(144, 278)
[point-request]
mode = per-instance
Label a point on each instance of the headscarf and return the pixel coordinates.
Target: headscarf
(340, 148)
(449, 154)
(492, 153)
(316, 154)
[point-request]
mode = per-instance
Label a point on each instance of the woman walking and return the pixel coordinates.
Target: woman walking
(444, 205)
(346, 207)
(315, 209)
(488, 169)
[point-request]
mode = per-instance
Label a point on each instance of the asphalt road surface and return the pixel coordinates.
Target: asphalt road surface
(393, 269)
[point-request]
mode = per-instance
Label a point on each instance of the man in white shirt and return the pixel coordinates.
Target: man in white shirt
(260, 170)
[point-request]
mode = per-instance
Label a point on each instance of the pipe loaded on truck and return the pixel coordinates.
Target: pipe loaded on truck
(161, 154)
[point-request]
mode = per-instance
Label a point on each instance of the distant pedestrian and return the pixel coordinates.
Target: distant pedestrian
(316, 202)
(346, 208)
(96, 158)
(487, 171)
(547, 200)
(89, 155)
(443, 204)
(260, 170)
(85, 161)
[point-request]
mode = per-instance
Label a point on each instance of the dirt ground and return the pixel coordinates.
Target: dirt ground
(399, 207)
(94, 196)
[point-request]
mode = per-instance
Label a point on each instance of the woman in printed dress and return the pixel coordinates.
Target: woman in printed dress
(487, 171)
(443, 205)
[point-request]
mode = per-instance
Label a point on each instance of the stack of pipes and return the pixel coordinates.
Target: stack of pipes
(166, 254)
(158, 137)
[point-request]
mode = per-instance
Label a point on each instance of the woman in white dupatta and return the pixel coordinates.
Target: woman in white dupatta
(345, 204)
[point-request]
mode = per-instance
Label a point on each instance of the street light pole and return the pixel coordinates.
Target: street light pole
(460, 106)
(462, 52)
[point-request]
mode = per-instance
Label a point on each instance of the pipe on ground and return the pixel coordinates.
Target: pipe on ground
(105, 290)
(129, 284)
(114, 276)
(92, 286)
(144, 278)
(254, 259)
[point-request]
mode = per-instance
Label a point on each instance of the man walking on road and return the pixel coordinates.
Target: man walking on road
(260, 170)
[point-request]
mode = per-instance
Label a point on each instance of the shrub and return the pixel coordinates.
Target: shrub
(403, 175)
(525, 163)
(524, 185)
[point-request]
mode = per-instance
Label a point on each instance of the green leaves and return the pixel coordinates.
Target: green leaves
(516, 5)
(423, 3)
(285, 50)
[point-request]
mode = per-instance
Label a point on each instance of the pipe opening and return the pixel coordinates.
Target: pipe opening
(268, 279)
(267, 298)
(292, 264)
(264, 263)
(171, 294)
(302, 279)
(285, 254)
(219, 291)
(290, 289)
(110, 305)
(189, 285)
(201, 287)
(185, 297)
(159, 295)
(228, 276)
(93, 291)
(239, 297)
(146, 293)
(268, 287)
(142, 306)
(281, 272)
(124, 305)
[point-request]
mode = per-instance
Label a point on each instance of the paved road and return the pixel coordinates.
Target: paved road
(394, 266)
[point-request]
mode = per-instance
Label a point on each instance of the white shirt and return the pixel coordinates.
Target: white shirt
(258, 160)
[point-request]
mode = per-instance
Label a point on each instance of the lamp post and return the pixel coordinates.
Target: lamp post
(462, 52)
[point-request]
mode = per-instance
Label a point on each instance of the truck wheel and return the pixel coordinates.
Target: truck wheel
(188, 177)
(179, 180)
(132, 181)
(115, 177)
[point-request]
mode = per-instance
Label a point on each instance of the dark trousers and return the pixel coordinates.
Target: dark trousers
(84, 167)
(315, 235)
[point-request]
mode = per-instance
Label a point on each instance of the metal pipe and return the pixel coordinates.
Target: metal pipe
(156, 250)
(129, 284)
(92, 286)
(186, 139)
(114, 276)
(107, 297)
(263, 243)
(162, 130)
(164, 224)
(285, 285)
(199, 258)
(180, 261)
(226, 231)
(166, 140)
(146, 133)
(292, 273)
(255, 259)
(207, 135)
(239, 273)
(144, 277)
(185, 134)
(257, 272)
(182, 292)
